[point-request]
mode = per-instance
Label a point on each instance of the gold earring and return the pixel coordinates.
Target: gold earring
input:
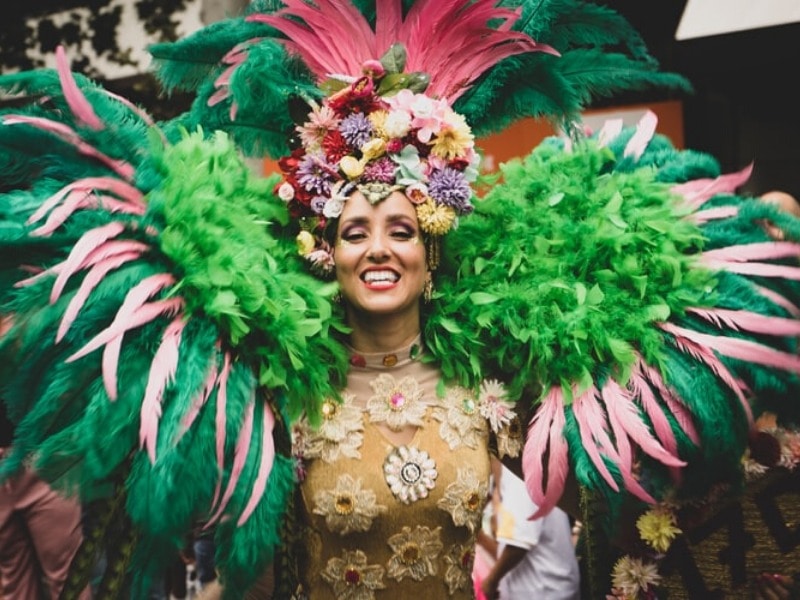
(427, 291)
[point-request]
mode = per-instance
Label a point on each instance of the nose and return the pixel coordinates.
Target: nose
(378, 249)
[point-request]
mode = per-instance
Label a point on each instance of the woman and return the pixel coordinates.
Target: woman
(582, 274)
(392, 498)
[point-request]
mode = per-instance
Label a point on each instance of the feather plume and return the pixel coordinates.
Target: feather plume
(68, 135)
(711, 214)
(642, 135)
(744, 320)
(754, 268)
(92, 279)
(221, 424)
(537, 443)
(778, 299)
(557, 462)
(199, 401)
(622, 409)
(239, 459)
(89, 241)
(80, 107)
(162, 372)
(265, 466)
(676, 406)
(594, 435)
(738, 348)
(698, 191)
(756, 251)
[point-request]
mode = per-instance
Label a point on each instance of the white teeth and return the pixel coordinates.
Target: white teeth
(372, 276)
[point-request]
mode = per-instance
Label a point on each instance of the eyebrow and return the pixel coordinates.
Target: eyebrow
(392, 218)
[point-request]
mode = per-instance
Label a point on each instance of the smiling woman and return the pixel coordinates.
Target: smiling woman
(381, 270)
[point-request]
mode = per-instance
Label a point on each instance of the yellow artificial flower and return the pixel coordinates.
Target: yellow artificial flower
(658, 528)
(373, 149)
(454, 139)
(378, 118)
(305, 243)
(435, 219)
(351, 167)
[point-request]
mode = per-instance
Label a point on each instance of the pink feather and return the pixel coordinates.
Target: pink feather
(389, 19)
(676, 406)
(536, 445)
(749, 321)
(123, 190)
(134, 300)
(778, 300)
(754, 268)
(122, 168)
(222, 402)
(609, 131)
(557, 463)
(239, 458)
(592, 427)
(77, 102)
(162, 373)
(756, 251)
(738, 348)
(92, 279)
(135, 109)
(697, 191)
(712, 214)
(623, 409)
(88, 242)
(264, 468)
(661, 427)
(645, 129)
(199, 401)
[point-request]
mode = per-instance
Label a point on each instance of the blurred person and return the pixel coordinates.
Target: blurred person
(535, 558)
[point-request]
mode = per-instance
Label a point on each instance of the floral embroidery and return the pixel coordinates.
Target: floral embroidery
(459, 560)
(464, 499)
(396, 403)
(410, 473)
(352, 578)
(347, 508)
(414, 553)
(340, 433)
(460, 418)
(509, 439)
(494, 405)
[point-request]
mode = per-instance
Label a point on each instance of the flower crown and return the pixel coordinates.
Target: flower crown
(377, 134)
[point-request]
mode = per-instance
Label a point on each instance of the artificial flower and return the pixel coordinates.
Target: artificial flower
(460, 560)
(465, 498)
(396, 403)
(347, 507)
(415, 553)
(373, 149)
(632, 576)
(509, 439)
(351, 167)
(340, 433)
(305, 243)
(356, 129)
(397, 124)
(286, 191)
(434, 218)
(321, 120)
(352, 578)
(494, 405)
(410, 473)
(658, 527)
(460, 419)
(454, 138)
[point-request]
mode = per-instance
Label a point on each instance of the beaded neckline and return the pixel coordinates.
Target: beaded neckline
(386, 360)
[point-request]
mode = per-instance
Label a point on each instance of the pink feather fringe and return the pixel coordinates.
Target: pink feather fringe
(76, 101)
(162, 373)
(698, 191)
(265, 467)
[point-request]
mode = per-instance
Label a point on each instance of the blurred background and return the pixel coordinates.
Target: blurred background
(741, 56)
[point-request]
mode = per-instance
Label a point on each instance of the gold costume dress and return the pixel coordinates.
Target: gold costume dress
(396, 480)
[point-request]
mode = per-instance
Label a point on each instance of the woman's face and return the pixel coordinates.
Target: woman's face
(380, 256)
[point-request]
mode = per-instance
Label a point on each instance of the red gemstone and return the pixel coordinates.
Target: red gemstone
(352, 577)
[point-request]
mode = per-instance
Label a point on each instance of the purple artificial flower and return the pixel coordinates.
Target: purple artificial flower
(448, 186)
(356, 129)
(314, 174)
(380, 171)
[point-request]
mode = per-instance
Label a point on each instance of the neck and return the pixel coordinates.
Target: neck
(381, 333)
